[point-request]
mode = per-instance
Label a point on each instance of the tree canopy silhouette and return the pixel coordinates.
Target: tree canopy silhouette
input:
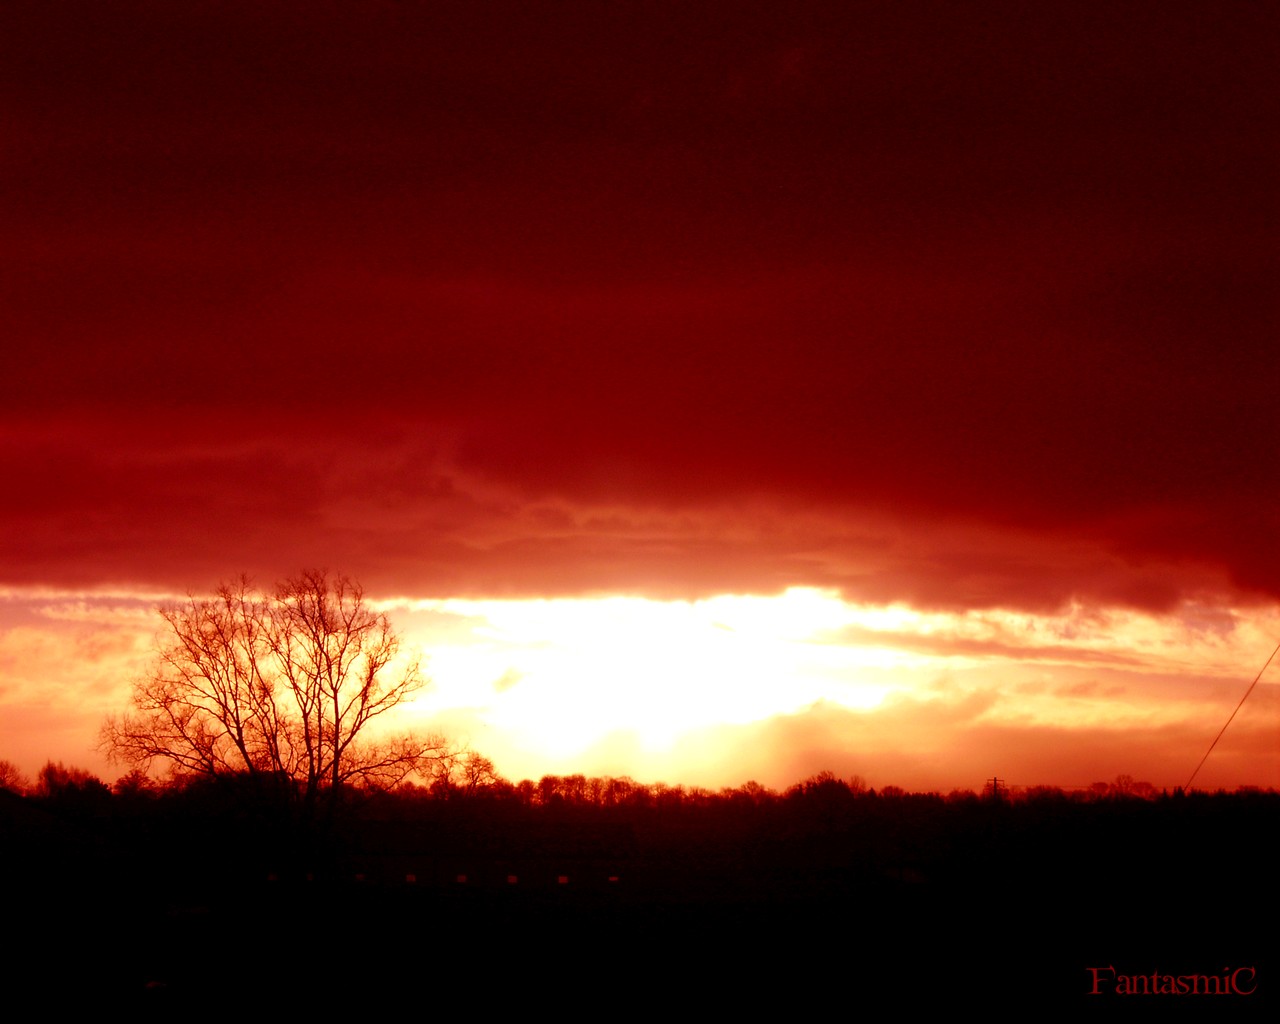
(281, 687)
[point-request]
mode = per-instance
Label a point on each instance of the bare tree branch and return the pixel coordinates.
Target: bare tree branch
(281, 687)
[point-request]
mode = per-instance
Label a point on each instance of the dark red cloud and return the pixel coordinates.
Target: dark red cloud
(962, 306)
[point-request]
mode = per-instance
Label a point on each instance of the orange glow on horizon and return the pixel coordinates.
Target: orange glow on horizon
(624, 685)
(717, 691)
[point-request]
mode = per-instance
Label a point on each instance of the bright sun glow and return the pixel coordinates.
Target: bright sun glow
(558, 677)
(574, 670)
(727, 688)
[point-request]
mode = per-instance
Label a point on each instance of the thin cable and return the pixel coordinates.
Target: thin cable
(1187, 788)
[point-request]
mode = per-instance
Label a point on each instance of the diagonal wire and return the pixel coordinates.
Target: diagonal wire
(1233, 715)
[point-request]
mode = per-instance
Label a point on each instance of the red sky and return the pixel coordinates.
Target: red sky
(962, 308)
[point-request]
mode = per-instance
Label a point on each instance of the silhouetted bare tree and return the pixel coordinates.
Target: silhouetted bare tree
(11, 777)
(477, 772)
(282, 688)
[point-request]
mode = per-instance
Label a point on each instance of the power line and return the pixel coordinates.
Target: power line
(1233, 715)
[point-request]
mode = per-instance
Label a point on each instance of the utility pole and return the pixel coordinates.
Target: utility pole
(995, 789)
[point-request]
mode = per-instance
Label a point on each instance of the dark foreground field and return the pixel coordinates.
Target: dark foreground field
(876, 905)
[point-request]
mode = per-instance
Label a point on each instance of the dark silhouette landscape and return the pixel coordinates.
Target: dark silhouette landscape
(582, 893)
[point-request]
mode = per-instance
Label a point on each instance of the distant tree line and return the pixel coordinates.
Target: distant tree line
(468, 776)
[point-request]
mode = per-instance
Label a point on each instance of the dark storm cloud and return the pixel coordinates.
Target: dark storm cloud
(431, 291)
